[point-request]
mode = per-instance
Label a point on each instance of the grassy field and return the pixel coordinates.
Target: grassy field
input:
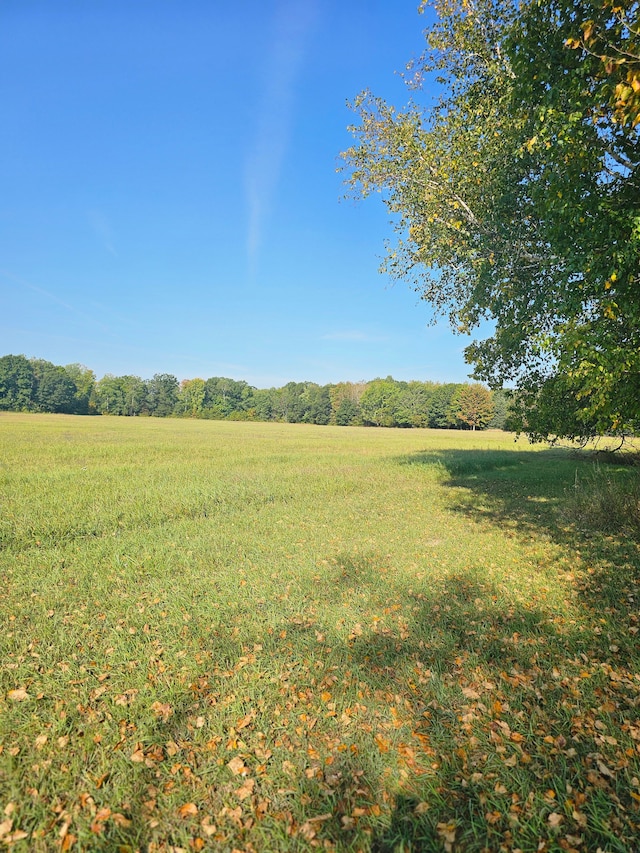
(261, 637)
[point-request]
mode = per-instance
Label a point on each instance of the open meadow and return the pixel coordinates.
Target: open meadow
(271, 637)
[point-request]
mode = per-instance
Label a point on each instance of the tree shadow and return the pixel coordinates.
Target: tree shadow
(531, 493)
(462, 647)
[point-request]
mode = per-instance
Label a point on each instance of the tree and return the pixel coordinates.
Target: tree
(17, 383)
(84, 379)
(517, 195)
(347, 413)
(341, 394)
(441, 414)
(191, 399)
(379, 402)
(319, 404)
(162, 394)
(55, 390)
(501, 410)
(473, 405)
(135, 394)
(111, 395)
(413, 404)
(225, 397)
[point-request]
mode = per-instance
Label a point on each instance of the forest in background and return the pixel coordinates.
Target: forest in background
(36, 385)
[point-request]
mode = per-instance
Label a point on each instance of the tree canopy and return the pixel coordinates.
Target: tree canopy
(516, 198)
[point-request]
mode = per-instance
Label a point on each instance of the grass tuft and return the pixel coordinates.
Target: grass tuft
(605, 500)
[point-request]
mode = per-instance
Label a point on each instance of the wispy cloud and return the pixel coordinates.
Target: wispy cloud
(51, 297)
(293, 19)
(353, 336)
(102, 229)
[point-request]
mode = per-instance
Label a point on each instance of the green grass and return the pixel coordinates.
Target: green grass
(261, 637)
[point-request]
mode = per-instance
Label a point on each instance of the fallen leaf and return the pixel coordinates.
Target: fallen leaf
(137, 755)
(207, 827)
(162, 710)
(447, 831)
(555, 820)
(188, 810)
(383, 744)
(237, 766)
(245, 790)
(18, 695)
(470, 693)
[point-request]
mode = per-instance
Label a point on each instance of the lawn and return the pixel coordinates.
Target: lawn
(272, 637)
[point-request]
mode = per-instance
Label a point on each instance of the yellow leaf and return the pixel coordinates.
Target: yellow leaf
(383, 744)
(188, 810)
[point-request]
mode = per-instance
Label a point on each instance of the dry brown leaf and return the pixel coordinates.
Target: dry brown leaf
(67, 842)
(207, 827)
(18, 695)
(602, 767)
(237, 766)
(555, 819)
(162, 710)
(580, 818)
(245, 790)
(18, 835)
(383, 743)
(137, 756)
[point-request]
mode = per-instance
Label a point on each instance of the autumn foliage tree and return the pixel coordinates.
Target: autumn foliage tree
(516, 197)
(473, 405)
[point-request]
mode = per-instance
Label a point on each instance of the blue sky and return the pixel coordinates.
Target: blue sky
(169, 200)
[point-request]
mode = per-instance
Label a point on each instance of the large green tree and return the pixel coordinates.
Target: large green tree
(17, 383)
(516, 196)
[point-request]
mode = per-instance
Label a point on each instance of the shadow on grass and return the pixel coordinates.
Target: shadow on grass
(531, 492)
(462, 648)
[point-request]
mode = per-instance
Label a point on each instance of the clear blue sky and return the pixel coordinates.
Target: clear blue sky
(169, 200)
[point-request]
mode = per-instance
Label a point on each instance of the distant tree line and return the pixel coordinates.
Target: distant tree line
(35, 385)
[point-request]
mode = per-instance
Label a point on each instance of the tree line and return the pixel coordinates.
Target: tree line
(36, 385)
